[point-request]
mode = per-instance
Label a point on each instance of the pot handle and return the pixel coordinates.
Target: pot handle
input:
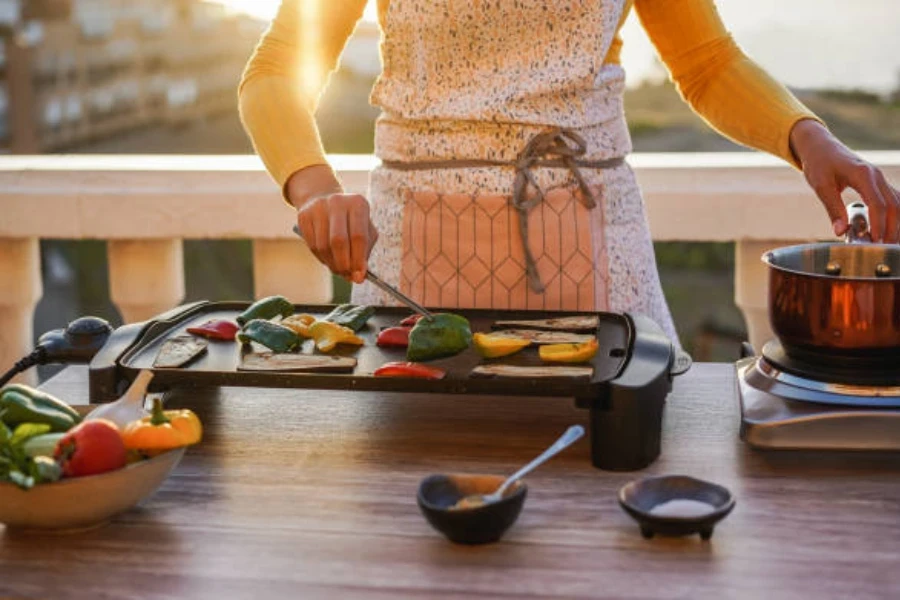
(858, 218)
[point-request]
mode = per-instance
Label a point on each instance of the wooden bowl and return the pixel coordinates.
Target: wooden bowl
(479, 525)
(84, 502)
(676, 505)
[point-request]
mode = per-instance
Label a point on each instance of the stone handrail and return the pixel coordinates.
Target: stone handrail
(143, 206)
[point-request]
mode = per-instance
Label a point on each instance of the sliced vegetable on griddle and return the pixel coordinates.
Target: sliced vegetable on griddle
(569, 353)
(273, 336)
(409, 369)
(445, 334)
(328, 335)
(350, 315)
(490, 345)
(299, 324)
(216, 329)
(393, 337)
(266, 308)
(179, 351)
(520, 372)
(573, 323)
(296, 363)
(544, 337)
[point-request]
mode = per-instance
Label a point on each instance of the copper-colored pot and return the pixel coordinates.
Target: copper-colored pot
(837, 299)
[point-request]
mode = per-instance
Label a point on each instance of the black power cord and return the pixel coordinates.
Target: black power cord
(36, 357)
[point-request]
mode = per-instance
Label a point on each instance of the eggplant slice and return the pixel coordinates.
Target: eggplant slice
(573, 323)
(544, 337)
(179, 351)
(520, 372)
(296, 363)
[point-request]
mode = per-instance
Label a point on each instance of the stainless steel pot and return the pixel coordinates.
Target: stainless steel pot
(837, 298)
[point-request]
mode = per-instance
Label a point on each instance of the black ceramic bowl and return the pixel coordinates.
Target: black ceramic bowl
(676, 505)
(480, 525)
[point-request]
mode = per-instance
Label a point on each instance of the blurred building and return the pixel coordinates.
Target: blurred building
(74, 71)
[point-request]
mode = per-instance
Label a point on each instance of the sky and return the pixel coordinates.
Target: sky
(804, 43)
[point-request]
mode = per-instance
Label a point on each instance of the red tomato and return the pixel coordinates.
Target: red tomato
(90, 448)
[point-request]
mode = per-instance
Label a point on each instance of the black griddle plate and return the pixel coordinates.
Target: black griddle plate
(134, 348)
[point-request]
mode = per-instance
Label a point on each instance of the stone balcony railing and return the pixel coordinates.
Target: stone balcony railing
(144, 206)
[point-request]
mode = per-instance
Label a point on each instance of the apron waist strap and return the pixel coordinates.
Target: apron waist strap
(559, 147)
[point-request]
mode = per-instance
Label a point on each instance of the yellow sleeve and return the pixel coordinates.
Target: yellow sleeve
(285, 76)
(731, 92)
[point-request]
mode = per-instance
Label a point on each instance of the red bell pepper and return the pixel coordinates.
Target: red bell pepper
(393, 337)
(217, 329)
(409, 369)
(410, 320)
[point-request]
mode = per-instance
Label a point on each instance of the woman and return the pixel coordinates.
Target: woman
(502, 137)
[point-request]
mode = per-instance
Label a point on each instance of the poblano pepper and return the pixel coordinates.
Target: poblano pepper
(23, 404)
(350, 316)
(444, 335)
(266, 308)
(271, 335)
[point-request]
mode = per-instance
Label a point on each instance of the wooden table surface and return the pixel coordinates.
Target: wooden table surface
(305, 494)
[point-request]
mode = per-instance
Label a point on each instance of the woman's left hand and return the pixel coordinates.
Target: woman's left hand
(830, 168)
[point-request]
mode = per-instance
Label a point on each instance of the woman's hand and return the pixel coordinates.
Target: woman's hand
(830, 168)
(336, 226)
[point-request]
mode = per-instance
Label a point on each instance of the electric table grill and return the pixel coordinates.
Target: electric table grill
(632, 372)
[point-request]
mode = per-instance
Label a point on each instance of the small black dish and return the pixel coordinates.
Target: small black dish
(684, 516)
(480, 525)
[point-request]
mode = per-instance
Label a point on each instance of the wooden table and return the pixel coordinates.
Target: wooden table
(302, 494)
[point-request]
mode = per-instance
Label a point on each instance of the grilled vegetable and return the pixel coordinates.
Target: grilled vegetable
(569, 353)
(179, 351)
(90, 448)
(23, 404)
(410, 320)
(163, 430)
(393, 337)
(266, 308)
(444, 335)
(518, 372)
(350, 316)
(297, 363)
(544, 337)
(573, 323)
(216, 329)
(409, 369)
(271, 335)
(495, 346)
(328, 335)
(299, 324)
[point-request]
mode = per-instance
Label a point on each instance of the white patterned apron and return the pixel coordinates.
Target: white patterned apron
(478, 83)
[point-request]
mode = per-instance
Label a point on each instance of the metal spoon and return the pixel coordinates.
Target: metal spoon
(571, 435)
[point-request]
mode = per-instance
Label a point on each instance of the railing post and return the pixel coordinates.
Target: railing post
(20, 270)
(288, 268)
(146, 277)
(751, 287)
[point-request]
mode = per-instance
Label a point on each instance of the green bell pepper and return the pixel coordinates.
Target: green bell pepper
(266, 308)
(273, 336)
(350, 316)
(447, 334)
(23, 404)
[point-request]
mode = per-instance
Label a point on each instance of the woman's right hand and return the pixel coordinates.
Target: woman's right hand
(337, 227)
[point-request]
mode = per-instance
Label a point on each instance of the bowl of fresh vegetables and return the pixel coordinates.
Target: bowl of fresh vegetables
(63, 470)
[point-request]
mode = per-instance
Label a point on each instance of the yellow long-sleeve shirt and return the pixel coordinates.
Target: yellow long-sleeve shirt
(278, 96)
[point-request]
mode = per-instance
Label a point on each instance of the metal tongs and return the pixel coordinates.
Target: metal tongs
(415, 306)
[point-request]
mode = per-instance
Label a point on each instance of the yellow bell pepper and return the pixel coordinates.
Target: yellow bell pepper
(299, 324)
(163, 430)
(493, 346)
(569, 353)
(328, 335)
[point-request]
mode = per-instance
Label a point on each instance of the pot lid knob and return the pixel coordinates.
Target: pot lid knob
(858, 219)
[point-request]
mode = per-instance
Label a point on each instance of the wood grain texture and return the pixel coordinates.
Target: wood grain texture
(308, 494)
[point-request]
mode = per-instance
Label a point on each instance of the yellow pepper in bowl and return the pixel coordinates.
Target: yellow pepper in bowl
(163, 430)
